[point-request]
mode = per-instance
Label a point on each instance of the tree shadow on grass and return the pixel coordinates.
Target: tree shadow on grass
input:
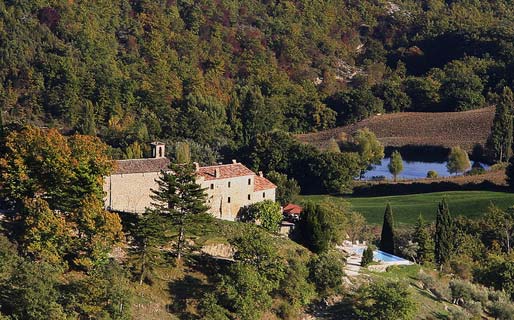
(201, 272)
(184, 293)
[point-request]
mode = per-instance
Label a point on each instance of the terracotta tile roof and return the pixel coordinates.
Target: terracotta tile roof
(292, 208)
(225, 171)
(140, 165)
(262, 183)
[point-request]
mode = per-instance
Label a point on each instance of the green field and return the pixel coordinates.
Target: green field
(406, 208)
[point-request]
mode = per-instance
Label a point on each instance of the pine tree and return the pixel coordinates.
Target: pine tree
(179, 198)
(395, 164)
(424, 241)
(387, 237)
(443, 234)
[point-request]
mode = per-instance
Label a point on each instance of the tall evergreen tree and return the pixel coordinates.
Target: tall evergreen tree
(149, 236)
(510, 173)
(179, 198)
(387, 237)
(443, 234)
(88, 123)
(422, 237)
(500, 140)
(183, 152)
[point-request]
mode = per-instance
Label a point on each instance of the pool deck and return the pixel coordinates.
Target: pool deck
(353, 262)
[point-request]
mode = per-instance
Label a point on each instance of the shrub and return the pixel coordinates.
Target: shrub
(384, 300)
(431, 174)
(267, 212)
(437, 288)
(473, 307)
(367, 257)
(502, 310)
(326, 272)
(461, 291)
(475, 171)
(456, 314)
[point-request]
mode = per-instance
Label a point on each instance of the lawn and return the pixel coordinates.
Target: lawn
(406, 208)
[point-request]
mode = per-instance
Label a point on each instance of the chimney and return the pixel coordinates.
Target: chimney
(217, 173)
(261, 174)
(197, 166)
(234, 161)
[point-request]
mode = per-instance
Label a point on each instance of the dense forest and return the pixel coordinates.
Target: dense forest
(82, 82)
(218, 73)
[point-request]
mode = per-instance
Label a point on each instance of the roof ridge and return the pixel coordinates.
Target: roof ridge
(137, 159)
(224, 165)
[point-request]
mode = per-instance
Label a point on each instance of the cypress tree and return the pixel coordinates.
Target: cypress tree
(510, 173)
(367, 257)
(443, 234)
(500, 140)
(424, 241)
(387, 237)
(183, 152)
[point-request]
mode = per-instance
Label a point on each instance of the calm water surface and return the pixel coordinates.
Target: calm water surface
(411, 169)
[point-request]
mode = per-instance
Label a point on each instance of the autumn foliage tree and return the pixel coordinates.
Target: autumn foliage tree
(54, 185)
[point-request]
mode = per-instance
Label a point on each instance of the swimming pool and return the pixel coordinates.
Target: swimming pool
(381, 256)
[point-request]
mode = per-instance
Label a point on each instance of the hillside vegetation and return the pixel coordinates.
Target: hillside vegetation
(219, 73)
(445, 129)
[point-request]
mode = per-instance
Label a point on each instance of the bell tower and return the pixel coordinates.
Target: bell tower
(158, 150)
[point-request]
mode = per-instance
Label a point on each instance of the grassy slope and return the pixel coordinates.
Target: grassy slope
(445, 129)
(428, 307)
(406, 208)
(177, 290)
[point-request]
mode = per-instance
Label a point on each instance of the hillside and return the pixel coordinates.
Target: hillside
(445, 129)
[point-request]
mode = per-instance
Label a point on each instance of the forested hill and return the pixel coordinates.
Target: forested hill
(220, 72)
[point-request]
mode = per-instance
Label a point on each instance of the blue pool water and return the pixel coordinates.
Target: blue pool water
(381, 256)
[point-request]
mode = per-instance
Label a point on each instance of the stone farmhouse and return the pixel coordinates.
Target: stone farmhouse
(229, 187)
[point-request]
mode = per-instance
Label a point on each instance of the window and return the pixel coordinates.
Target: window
(212, 186)
(229, 184)
(249, 181)
(249, 197)
(228, 200)
(264, 194)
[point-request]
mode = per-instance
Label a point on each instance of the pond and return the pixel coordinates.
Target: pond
(411, 169)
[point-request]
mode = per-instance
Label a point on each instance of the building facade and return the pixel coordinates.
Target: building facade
(229, 187)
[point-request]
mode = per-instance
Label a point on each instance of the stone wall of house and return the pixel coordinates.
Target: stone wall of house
(129, 192)
(262, 195)
(225, 197)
